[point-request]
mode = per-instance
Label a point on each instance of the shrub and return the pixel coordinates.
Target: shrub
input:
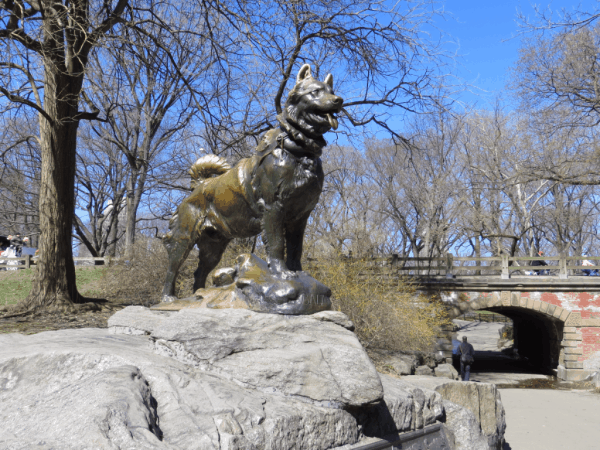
(388, 312)
(139, 280)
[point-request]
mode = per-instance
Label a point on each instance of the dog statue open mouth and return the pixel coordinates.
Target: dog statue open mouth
(273, 192)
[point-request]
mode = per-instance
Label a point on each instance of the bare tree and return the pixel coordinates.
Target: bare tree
(383, 60)
(560, 71)
(418, 184)
(148, 102)
(19, 176)
(101, 187)
(346, 220)
(45, 49)
(503, 199)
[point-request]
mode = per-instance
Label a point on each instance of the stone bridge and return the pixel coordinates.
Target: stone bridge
(557, 327)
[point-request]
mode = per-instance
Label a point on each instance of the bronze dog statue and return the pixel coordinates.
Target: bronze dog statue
(274, 191)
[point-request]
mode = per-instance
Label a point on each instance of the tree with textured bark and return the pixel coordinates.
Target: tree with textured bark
(44, 49)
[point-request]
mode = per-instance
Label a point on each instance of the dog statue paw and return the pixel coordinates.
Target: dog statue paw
(168, 299)
(279, 268)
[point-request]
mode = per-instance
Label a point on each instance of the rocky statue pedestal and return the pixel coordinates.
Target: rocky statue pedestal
(252, 285)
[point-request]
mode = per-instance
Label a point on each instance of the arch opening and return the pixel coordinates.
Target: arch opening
(537, 336)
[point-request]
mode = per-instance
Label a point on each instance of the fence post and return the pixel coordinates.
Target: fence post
(449, 265)
(563, 273)
(27, 261)
(505, 273)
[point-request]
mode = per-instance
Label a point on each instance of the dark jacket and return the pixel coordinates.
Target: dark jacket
(464, 350)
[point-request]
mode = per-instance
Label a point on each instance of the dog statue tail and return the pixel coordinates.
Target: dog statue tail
(206, 167)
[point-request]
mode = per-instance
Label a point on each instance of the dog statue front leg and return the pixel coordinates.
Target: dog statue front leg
(275, 240)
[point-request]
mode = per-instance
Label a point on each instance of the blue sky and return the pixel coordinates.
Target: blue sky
(480, 27)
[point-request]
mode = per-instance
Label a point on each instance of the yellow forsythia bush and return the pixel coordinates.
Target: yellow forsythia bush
(388, 312)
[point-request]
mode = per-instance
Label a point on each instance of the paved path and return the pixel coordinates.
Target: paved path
(482, 335)
(542, 419)
(536, 419)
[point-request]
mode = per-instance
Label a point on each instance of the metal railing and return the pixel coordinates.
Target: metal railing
(484, 317)
(504, 266)
(25, 262)
(431, 437)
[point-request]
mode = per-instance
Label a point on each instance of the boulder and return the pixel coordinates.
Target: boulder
(405, 407)
(397, 363)
(464, 429)
(431, 360)
(483, 402)
(313, 358)
(401, 367)
(198, 379)
(88, 389)
(446, 371)
(424, 371)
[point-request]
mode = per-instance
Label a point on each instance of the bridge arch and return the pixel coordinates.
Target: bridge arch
(551, 336)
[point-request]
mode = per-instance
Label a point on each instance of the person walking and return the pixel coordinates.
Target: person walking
(540, 263)
(588, 272)
(467, 357)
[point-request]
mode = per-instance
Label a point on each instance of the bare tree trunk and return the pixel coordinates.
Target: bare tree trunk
(54, 282)
(133, 201)
(130, 228)
(137, 181)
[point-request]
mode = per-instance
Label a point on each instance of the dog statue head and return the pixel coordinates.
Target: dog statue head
(310, 108)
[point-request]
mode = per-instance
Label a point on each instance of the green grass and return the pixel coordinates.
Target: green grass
(16, 284)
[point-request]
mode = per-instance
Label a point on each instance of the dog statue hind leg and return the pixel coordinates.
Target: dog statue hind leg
(179, 241)
(211, 246)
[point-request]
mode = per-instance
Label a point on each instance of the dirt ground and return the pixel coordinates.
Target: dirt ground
(52, 320)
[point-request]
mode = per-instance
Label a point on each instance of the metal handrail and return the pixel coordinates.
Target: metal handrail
(505, 265)
(434, 434)
(29, 261)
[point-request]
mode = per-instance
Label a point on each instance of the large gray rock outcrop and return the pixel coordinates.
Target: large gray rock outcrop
(87, 389)
(474, 411)
(90, 389)
(312, 358)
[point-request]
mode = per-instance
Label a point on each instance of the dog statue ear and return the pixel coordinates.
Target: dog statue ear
(329, 80)
(304, 73)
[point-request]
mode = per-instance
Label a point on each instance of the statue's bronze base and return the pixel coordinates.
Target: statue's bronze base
(252, 285)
